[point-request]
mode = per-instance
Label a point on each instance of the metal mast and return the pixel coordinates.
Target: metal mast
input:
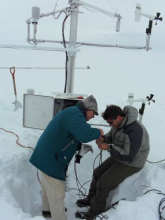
(72, 44)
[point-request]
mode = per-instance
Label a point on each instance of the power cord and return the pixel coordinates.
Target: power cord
(17, 141)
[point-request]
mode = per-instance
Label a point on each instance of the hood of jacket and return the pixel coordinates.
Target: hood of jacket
(131, 114)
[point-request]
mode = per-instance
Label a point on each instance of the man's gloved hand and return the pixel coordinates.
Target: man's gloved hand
(85, 148)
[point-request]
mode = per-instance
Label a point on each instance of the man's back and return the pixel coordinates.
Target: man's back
(59, 141)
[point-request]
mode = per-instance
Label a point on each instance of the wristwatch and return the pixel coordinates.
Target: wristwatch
(110, 147)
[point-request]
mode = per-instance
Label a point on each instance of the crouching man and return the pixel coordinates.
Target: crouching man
(128, 145)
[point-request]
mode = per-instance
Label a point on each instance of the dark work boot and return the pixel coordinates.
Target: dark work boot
(47, 214)
(83, 202)
(84, 215)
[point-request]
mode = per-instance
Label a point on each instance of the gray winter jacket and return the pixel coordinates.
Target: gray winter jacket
(130, 139)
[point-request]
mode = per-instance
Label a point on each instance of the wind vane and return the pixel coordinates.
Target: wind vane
(138, 14)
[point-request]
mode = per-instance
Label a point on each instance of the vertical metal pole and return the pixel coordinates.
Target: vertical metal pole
(72, 44)
(140, 118)
(148, 42)
(148, 32)
(141, 111)
(34, 31)
(28, 31)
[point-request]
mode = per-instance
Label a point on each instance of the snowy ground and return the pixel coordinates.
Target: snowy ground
(114, 73)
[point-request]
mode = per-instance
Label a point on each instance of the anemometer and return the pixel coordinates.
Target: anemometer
(138, 14)
(148, 99)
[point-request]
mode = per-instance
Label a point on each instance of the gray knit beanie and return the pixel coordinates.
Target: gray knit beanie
(90, 103)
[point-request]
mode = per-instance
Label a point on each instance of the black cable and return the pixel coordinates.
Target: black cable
(113, 205)
(84, 195)
(78, 183)
(59, 15)
(64, 42)
(70, 189)
(158, 191)
(79, 189)
(85, 183)
(100, 172)
(160, 209)
(95, 160)
(156, 161)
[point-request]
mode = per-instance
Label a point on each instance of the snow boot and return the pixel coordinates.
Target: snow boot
(83, 202)
(47, 214)
(84, 215)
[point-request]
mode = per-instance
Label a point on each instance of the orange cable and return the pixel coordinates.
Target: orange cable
(17, 141)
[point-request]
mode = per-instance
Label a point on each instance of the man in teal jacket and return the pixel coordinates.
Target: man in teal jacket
(55, 149)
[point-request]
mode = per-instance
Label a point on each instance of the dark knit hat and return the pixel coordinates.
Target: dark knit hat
(90, 103)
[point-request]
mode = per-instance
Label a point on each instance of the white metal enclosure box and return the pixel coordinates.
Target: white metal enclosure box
(39, 110)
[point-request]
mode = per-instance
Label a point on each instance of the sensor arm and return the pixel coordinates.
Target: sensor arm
(151, 17)
(35, 17)
(52, 13)
(131, 99)
(55, 12)
(137, 100)
(81, 3)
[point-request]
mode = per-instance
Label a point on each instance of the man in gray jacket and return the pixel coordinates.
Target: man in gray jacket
(128, 145)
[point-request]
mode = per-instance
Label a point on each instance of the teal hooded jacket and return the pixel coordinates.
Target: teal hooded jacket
(59, 141)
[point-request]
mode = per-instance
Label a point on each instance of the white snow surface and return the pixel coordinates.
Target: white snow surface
(113, 73)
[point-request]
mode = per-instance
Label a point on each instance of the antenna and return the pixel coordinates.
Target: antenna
(138, 14)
